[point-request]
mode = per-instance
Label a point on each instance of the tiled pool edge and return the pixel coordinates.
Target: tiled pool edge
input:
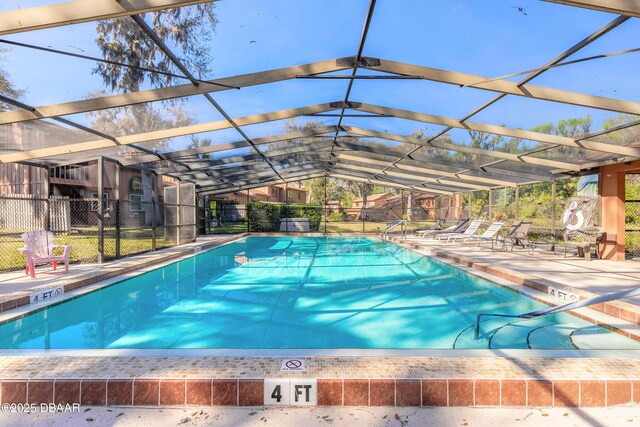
(440, 381)
(20, 299)
(616, 309)
(330, 392)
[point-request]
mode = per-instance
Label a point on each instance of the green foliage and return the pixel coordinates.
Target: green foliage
(122, 40)
(336, 217)
(266, 216)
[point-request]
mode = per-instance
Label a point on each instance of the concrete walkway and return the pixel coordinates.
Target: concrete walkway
(596, 276)
(334, 416)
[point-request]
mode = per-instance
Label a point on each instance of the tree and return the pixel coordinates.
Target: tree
(623, 136)
(122, 40)
(7, 88)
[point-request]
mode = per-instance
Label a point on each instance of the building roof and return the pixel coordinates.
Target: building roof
(374, 197)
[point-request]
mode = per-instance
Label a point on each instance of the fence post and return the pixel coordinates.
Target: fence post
(153, 224)
(178, 219)
(47, 205)
(553, 207)
(154, 195)
(325, 204)
(517, 213)
(117, 228)
(100, 209)
(117, 197)
(490, 204)
(246, 211)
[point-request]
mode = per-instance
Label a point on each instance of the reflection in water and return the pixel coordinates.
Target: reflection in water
(277, 292)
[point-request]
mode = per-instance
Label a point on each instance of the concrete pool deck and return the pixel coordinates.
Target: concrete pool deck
(444, 378)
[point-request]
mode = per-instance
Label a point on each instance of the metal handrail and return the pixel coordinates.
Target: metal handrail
(403, 228)
(559, 308)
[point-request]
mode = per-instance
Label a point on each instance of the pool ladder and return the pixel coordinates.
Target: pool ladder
(559, 308)
(403, 228)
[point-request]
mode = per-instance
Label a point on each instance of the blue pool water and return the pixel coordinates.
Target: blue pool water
(300, 292)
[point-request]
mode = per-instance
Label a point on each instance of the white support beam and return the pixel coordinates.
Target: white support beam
(462, 186)
(171, 92)
(306, 133)
(306, 175)
(511, 88)
(464, 149)
(161, 134)
(619, 7)
(352, 177)
(429, 167)
(75, 12)
(500, 130)
(405, 175)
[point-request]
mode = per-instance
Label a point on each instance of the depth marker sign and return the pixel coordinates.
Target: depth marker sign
(291, 391)
(292, 365)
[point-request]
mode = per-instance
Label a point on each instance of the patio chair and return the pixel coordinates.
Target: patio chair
(456, 228)
(517, 236)
(38, 249)
(470, 231)
(585, 239)
(489, 235)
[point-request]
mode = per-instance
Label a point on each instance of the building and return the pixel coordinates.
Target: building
(78, 181)
(278, 193)
(373, 200)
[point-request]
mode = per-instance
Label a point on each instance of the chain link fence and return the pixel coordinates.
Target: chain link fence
(128, 226)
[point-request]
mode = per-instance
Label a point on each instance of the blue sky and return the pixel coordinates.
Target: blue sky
(487, 38)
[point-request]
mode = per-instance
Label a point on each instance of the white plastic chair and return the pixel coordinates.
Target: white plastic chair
(471, 230)
(489, 234)
(38, 249)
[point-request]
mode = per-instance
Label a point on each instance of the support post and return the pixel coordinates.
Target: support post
(47, 204)
(325, 203)
(178, 219)
(154, 225)
(470, 201)
(553, 207)
(100, 209)
(517, 212)
(246, 211)
(118, 210)
(490, 204)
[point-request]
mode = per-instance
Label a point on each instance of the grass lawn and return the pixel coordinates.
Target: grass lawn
(84, 245)
(230, 228)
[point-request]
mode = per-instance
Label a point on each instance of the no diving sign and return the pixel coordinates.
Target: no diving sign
(292, 365)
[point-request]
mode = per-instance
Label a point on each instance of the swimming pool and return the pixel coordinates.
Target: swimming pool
(302, 293)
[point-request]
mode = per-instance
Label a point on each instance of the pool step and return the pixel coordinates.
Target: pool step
(541, 333)
(594, 337)
(514, 334)
(551, 336)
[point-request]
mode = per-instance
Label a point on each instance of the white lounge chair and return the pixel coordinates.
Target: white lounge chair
(38, 249)
(470, 231)
(489, 235)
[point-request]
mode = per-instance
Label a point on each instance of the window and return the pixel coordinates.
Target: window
(274, 192)
(299, 196)
(135, 184)
(106, 205)
(135, 203)
(289, 194)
